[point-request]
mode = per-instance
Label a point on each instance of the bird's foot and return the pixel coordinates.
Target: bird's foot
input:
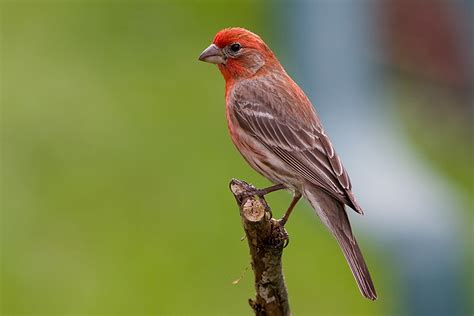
(282, 221)
(262, 192)
(279, 233)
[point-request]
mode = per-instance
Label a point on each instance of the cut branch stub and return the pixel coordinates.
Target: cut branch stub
(266, 239)
(253, 210)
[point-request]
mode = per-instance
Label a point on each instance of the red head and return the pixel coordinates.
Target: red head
(240, 54)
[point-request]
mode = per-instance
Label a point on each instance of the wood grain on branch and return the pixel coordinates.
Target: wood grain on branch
(266, 239)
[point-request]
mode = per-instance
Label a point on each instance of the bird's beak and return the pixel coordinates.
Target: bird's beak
(212, 54)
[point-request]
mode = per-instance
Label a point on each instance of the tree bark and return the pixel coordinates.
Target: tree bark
(266, 239)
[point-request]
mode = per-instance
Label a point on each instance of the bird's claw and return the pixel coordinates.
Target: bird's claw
(252, 193)
(280, 234)
(281, 222)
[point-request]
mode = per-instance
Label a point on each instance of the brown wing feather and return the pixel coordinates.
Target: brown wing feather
(270, 118)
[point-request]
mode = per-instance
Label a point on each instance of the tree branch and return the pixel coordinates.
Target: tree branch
(266, 240)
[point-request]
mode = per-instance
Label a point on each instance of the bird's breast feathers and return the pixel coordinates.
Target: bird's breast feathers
(273, 123)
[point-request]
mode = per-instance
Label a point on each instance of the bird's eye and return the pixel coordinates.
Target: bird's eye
(235, 47)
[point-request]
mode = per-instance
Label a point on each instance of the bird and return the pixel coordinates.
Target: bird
(276, 129)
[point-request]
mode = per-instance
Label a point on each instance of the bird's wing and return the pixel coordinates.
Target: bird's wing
(269, 114)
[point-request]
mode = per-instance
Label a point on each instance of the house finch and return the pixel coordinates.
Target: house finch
(276, 129)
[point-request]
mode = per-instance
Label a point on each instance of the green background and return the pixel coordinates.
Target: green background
(115, 168)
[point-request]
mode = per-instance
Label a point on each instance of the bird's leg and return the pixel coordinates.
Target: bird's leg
(273, 188)
(296, 198)
(265, 191)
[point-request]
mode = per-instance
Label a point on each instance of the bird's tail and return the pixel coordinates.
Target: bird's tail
(334, 216)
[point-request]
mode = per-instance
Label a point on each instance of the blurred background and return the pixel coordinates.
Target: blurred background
(115, 156)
